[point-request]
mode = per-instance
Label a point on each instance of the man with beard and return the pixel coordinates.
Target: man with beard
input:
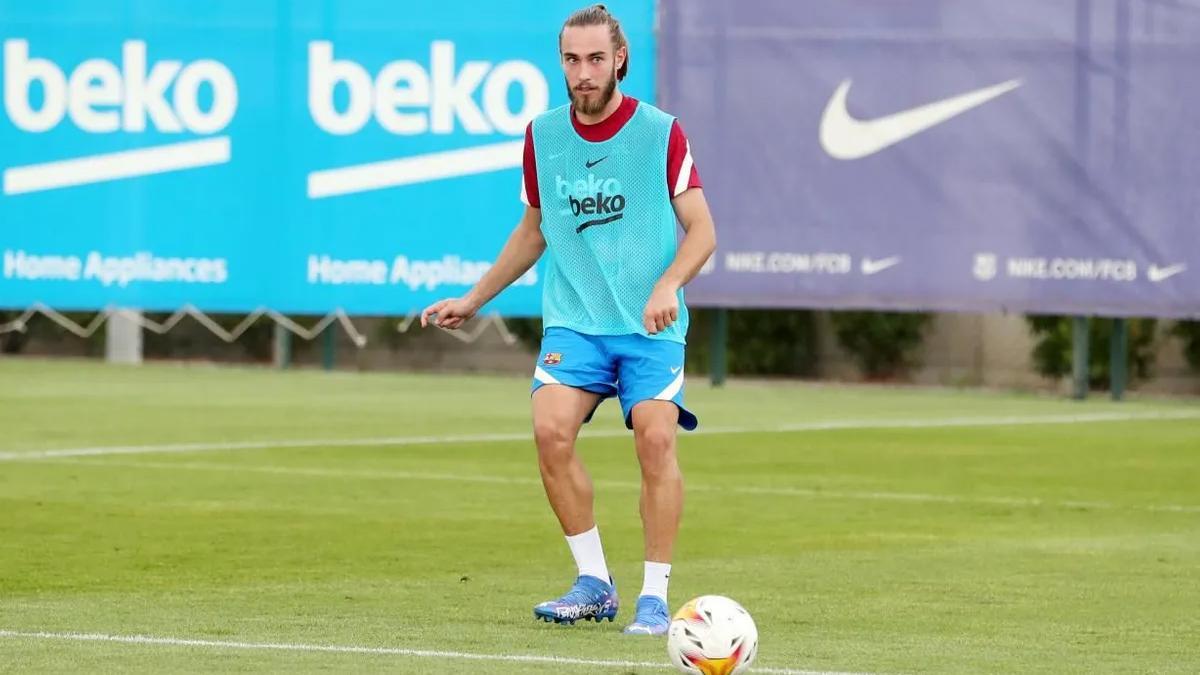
(605, 179)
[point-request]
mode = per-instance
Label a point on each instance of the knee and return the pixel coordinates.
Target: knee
(554, 442)
(656, 451)
(655, 440)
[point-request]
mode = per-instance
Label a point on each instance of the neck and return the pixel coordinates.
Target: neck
(609, 109)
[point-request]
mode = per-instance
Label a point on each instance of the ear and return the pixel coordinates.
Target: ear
(619, 57)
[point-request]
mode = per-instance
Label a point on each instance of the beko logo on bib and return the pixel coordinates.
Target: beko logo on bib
(600, 197)
(406, 98)
(99, 96)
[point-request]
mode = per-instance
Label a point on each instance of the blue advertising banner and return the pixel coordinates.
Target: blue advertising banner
(1025, 155)
(303, 156)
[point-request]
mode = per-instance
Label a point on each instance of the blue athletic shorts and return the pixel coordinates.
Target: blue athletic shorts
(634, 368)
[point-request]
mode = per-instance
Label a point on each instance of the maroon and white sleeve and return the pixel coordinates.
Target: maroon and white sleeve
(529, 185)
(681, 170)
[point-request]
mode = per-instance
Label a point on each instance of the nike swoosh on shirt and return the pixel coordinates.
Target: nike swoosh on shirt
(591, 164)
(844, 137)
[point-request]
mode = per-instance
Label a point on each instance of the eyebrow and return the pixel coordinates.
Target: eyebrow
(589, 55)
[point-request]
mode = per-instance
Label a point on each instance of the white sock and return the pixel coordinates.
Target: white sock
(658, 574)
(589, 554)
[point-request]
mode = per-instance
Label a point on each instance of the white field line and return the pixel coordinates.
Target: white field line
(831, 425)
(783, 491)
(212, 446)
(147, 640)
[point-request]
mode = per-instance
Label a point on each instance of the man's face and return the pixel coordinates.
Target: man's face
(590, 65)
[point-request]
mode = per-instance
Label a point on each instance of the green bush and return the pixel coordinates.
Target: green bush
(527, 331)
(190, 339)
(1189, 332)
(12, 342)
(1052, 352)
(760, 341)
(881, 342)
(46, 335)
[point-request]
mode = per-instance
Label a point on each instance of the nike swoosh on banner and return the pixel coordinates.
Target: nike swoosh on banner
(1157, 274)
(870, 267)
(844, 137)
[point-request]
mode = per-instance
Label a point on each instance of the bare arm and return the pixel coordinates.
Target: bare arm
(525, 245)
(699, 242)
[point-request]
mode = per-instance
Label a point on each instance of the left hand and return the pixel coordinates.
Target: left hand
(662, 310)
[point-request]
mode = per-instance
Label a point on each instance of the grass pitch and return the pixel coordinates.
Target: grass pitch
(929, 531)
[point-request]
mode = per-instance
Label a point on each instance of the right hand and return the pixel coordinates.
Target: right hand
(450, 313)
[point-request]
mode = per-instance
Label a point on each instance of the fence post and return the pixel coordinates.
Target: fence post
(123, 336)
(1079, 357)
(717, 352)
(1119, 355)
(281, 354)
(329, 347)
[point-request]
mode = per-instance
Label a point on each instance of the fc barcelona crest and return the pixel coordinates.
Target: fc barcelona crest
(552, 359)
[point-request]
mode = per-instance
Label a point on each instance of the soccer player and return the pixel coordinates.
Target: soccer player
(605, 179)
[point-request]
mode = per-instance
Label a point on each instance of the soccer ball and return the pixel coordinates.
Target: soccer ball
(712, 635)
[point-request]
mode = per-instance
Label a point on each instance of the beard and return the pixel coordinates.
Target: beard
(593, 106)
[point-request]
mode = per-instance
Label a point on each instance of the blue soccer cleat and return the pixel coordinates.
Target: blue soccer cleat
(590, 599)
(651, 618)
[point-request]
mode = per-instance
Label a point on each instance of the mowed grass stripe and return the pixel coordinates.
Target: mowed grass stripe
(780, 491)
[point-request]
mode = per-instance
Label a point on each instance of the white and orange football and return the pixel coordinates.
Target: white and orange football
(712, 635)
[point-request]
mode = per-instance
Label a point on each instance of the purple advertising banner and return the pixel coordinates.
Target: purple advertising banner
(1034, 156)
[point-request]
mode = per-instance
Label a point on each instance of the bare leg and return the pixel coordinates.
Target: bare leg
(654, 424)
(558, 413)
